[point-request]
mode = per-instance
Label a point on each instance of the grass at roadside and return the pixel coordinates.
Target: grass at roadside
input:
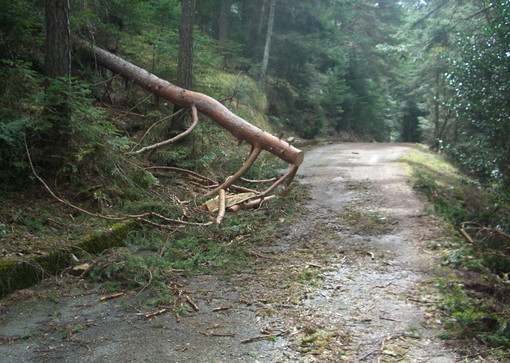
(476, 304)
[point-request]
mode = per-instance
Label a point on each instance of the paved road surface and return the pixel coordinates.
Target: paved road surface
(345, 284)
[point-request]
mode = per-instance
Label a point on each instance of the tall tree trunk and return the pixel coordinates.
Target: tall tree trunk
(185, 66)
(57, 64)
(267, 47)
(224, 21)
(185, 63)
(436, 132)
(261, 18)
(58, 54)
(254, 16)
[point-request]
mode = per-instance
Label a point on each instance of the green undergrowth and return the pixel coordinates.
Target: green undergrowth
(472, 314)
(98, 174)
(482, 214)
(477, 303)
(23, 270)
(151, 258)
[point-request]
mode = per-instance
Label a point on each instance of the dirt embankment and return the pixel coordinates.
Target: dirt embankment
(346, 283)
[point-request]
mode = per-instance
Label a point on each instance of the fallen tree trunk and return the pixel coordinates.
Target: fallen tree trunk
(238, 127)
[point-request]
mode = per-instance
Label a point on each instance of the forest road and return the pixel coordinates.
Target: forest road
(349, 282)
(378, 283)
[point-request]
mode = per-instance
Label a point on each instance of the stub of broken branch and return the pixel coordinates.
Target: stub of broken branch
(221, 209)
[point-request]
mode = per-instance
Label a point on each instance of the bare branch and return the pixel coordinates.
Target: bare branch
(258, 181)
(138, 217)
(176, 138)
(154, 125)
(288, 177)
(255, 152)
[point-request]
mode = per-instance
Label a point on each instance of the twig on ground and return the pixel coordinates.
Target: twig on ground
(223, 334)
(254, 339)
(192, 303)
(154, 313)
(112, 296)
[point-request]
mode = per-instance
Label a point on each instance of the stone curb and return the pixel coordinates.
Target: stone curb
(20, 273)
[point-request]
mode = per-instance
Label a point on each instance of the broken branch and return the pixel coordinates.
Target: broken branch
(466, 235)
(154, 313)
(221, 209)
(253, 339)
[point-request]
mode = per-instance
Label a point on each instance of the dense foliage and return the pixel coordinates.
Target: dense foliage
(459, 74)
(481, 79)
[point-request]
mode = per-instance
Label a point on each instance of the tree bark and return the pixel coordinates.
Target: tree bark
(58, 54)
(261, 18)
(224, 21)
(238, 127)
(185, 61)
(267, 47)
(185, 66)
(254, 16)
(57, 63)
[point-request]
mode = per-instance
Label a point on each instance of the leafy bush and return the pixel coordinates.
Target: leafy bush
(481, 79)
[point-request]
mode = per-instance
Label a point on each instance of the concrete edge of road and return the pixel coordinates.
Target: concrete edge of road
(22, 272)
